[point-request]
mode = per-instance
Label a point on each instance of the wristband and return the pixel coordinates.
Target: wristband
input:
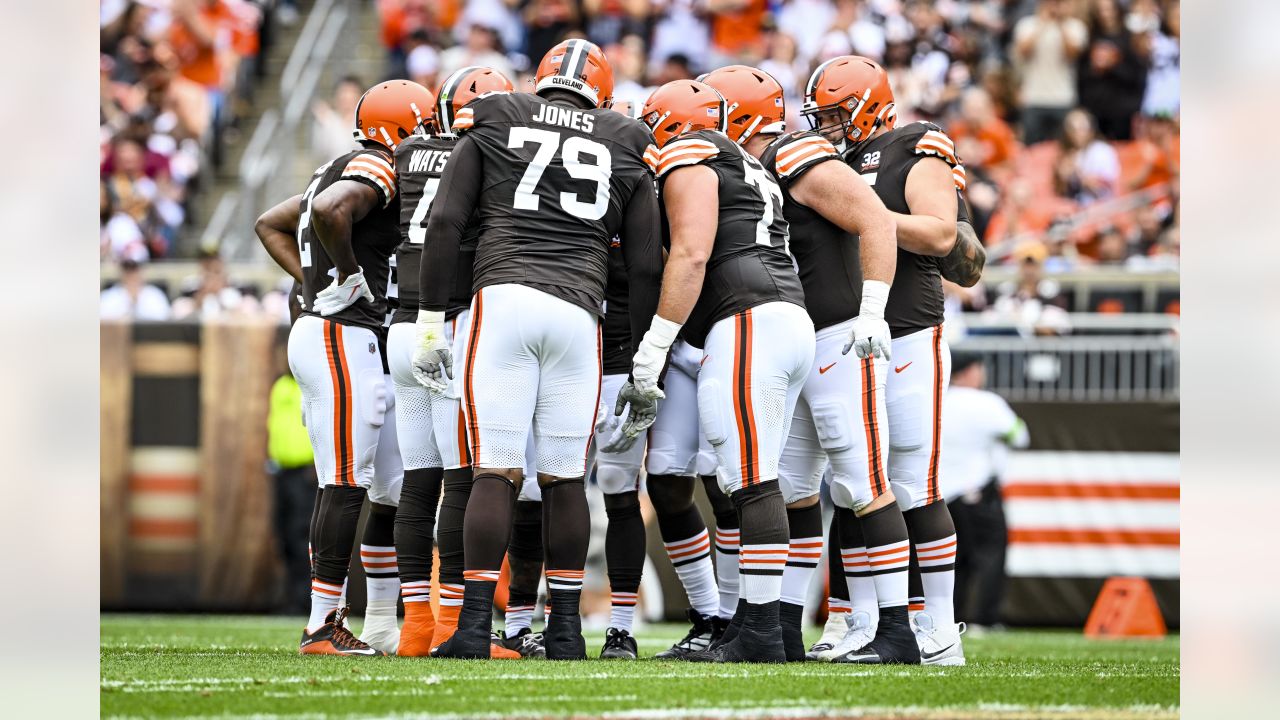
(875, 295)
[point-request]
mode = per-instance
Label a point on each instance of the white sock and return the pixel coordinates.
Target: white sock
(760, 567)
(518, 617)
(622, 610)
(803, 555)
(889, 562)
(938, 577)
(861, 584)
(416, 591)
(324, 600)
(382, 576)
(692, 560)
(450, 595)
(727, 570)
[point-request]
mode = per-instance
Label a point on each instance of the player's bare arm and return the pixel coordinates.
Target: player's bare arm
(277, 229)
(930, 228)
(691, 198)
(835, 191)
(963, 265)
(333, 212)
(459, 190)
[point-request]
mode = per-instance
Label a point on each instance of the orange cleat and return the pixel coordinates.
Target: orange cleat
(419, 630)
(446, 624)
(498, 651)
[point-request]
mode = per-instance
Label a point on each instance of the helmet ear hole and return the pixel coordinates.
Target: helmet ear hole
(400, 132)
(671, 128)
(874, 106)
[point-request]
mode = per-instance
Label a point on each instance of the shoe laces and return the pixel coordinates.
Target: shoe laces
(701, 626)
(342, 637)
(616, 638)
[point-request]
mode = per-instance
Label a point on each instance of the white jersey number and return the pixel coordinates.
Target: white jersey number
(574, 148)
(769, 193)
(304, 220)
(418, 223)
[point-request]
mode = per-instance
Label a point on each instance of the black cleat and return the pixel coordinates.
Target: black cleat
(470, 641)
(697, 639)
(528, 643)
(563, 637)
(730, 627)
(618, 645)
(792, 632)
(749, 645)
(894, 643)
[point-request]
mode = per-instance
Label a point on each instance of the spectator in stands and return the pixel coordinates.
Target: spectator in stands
(423, 65)
(546, 23)
(978, 429)
(608, 21)
(483, 46)
(211, 294)
(119, 237)
(804, 23)
(1164, 255)
(1112, 248)
(627, 59)
(1017, 217)
(1164, 83)
(674, 67)
(132, 298)
(139, 184)
(333, 121)
(1159, 153)
(1087, 168)
(737, 31)
(790, 73)
(681, 29)
(983, 140)
(1047, 45)
(1032, 302)
(1112, 74)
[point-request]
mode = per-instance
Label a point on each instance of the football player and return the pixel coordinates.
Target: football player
(430, 423)
(729, 286)
(915, 171)
(845, 250)
(552, 177)
(336, 239)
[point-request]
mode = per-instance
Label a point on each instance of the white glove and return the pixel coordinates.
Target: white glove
(609, 432)
(432, 359)
(869, 335)
(651, 356)
(340, 296)
(642, 410)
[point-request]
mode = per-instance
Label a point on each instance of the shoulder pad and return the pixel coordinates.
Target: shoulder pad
(800, 151)
(688, 150)
(936, 143)
(372, 168)
(488, 106)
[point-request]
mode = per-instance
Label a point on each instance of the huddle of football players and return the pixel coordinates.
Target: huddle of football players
(502, 291)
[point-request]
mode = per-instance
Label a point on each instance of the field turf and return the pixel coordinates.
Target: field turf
(247, 666)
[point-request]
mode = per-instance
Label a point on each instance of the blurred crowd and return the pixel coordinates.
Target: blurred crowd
(1065, 112)
(176, 76)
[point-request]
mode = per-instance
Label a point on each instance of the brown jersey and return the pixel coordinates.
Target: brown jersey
(750, 264)
(373, 238)
(915, 301)
(826, 255)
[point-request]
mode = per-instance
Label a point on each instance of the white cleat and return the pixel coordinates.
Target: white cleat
(860, 633)
(381, 629)
(831, 633)
(938, 645)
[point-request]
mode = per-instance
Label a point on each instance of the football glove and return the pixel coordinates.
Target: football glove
(341, 295)
(642, 409)
(869, 336)
(432, 359)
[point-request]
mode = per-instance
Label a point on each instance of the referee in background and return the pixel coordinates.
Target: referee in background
(978, 428)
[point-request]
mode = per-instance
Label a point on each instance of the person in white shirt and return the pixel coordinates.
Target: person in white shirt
(978, 428)
(132, 298)
(1046, 46)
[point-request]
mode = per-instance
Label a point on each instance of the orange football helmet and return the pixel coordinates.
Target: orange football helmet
(854, 85)
(754, 98)
(392, 111)
(578, 66)
(683, 106)
(463, 86)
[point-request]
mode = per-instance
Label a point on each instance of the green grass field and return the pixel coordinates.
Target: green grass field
(245, 666)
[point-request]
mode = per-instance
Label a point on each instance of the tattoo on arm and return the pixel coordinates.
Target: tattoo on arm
(963, 265)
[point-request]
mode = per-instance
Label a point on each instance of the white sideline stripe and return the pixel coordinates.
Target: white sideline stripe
(1077, 514)
(1091, 561)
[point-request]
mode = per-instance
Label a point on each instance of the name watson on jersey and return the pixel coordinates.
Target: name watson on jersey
(428, 161)
(564, 117)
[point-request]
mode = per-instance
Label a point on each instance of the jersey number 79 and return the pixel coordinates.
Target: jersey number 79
(574, 149)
